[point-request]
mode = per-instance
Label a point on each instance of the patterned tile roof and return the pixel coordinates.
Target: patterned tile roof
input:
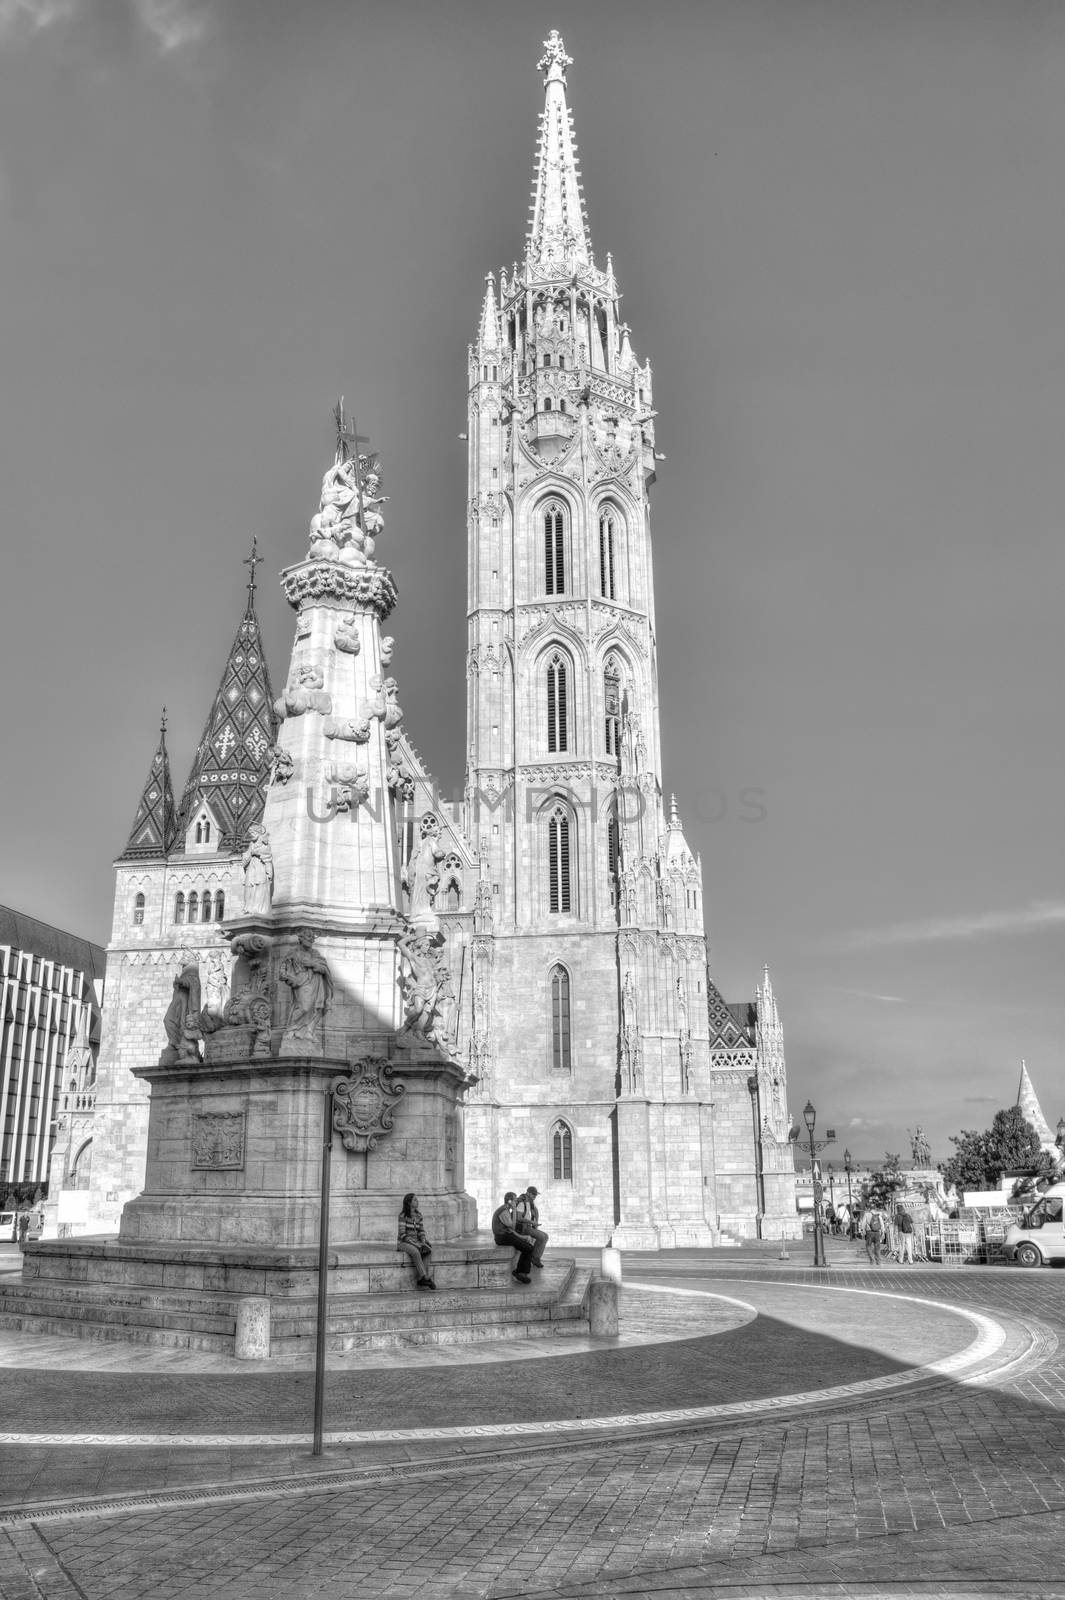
(232, 760)
(152, 834)
(726, 1032)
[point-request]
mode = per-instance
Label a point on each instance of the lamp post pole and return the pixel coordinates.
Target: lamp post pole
(847, 1169)
(809, 1116)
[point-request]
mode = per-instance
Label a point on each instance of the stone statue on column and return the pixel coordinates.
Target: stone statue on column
(306, 972)
(182, 1020)
(258, 864)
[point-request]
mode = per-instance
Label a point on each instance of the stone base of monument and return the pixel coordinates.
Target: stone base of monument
(190, 1296)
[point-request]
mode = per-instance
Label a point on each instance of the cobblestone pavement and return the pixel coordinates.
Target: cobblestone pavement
(931, 1461)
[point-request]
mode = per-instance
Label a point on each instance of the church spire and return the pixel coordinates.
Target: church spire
(152, 832)
(1031, 1110)
(558, 239)
(232, 760)
(489, 338)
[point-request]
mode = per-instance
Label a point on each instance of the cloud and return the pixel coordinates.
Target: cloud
(33, 15)
(979, 925)
(173, 24)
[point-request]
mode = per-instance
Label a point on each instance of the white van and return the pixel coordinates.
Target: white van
(1039, 1238)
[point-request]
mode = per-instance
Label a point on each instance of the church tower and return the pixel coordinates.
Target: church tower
(173, 883)
(589, 1031)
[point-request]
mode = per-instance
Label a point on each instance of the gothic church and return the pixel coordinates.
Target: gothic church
(605, 1066)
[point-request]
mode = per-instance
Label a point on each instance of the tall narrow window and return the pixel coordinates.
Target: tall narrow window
(560, 1024)
(612, 707)
(554, 550)
(199, 833)
(560, 878)
(138, 909)
(219, 906)
(607, 553)
(561, 1153)
(194, 907)
(207, 833)
(206, 913)
(557, 706)
(179, 907)
(612, 849)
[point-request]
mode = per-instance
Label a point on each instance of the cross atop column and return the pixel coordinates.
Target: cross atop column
(348, 439)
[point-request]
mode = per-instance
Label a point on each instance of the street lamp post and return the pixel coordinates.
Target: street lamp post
(809, 1116)
(847, 1164)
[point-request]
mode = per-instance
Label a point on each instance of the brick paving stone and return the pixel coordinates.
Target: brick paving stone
(960, 1484)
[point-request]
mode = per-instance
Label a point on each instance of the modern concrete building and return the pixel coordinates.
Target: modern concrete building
(49, 1028)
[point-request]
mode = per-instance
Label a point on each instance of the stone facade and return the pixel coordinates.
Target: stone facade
(556, 915)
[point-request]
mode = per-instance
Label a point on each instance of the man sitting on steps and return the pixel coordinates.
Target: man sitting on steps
(505, 1231)
(529, 1223)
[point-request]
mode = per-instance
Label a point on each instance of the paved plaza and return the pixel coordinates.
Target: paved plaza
(758, 1428)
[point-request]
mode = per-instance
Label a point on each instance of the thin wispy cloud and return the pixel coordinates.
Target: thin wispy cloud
(173, 24)
(979, 925)
(33, 16)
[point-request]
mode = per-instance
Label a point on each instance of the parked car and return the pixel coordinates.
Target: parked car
(1038, 1240)
(9, 1225)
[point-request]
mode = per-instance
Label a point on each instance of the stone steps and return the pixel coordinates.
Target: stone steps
(192, 1319)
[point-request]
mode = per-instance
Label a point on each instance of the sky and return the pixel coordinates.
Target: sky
(838, 226)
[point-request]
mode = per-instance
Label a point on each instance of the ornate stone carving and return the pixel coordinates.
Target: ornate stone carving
(364, 1103)
(451, 875)
(304, 692)
(393, 710)
(398, 777)
(306, 972)
(352, 786)
(218, 1141)
(257, 863)
(388, 650)
(181, 1022)
(249, 1002)
(328, 582)
(216, 985)
(631, 1043)
(355, 730)
(428, 993)
(421, 875)
(348, 521)
(282, 765)
(346, 636)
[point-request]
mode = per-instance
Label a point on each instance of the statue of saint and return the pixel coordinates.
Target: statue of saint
(258, 864)
(306, 972)
(182, 1020)
(421, 875)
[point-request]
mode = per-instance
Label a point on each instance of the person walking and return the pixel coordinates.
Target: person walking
(874, 1234)
(412, 1240)
(529, 1223)
(904, 1224)
(505, 1231)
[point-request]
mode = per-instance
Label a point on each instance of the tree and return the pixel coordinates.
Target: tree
(881, 1187)
(1011, 1144)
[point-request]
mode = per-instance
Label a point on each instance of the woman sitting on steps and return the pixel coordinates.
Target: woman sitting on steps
(412, 1239)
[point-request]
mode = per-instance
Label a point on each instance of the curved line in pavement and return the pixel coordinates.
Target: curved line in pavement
(990, 1337)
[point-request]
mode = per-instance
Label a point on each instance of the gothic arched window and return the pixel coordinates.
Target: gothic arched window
(179, 907)
(194, 907)
(613, 852)
(612, 707)
(219, 906)
(561, 1053)
(138, 909)
(559, 860)
(554, 549)
(609, 537)
(557, 705)
(206, 913)
(562, 1152)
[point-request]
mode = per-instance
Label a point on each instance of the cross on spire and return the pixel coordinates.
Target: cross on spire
(251, 562)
